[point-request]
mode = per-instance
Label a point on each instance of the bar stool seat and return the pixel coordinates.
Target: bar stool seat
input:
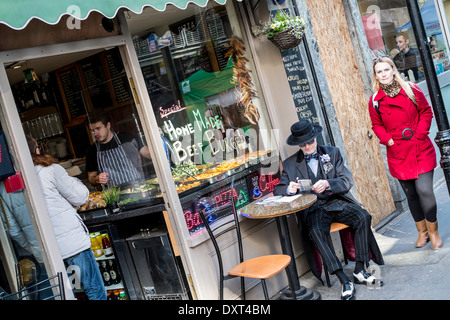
(337, 226)
(261, 267)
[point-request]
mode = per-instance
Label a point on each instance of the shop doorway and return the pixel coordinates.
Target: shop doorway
(54, 97)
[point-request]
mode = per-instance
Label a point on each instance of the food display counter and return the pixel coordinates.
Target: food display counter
(138, 228)
(188, 178)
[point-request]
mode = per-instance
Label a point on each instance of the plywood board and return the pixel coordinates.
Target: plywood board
(347, 92)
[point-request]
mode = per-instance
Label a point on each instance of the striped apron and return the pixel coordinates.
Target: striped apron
(121, 163)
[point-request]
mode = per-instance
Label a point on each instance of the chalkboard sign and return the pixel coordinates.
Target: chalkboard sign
(119, 78)
(151, 80)
(79, 139)
(95, 80)
(299, 84)
(72, 89)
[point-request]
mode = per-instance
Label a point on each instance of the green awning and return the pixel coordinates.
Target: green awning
(17, 13)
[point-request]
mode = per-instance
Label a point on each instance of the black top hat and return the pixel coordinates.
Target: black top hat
(302, 132)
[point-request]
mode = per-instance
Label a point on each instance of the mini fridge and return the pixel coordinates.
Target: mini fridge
(156, 271)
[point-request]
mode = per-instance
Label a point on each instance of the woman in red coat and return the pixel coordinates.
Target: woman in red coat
(401, 119)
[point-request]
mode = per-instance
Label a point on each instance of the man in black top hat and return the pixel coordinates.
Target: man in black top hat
(331, 182)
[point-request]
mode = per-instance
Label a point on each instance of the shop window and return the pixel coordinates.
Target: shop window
(197, 90)
(389, 32)
(207, 104)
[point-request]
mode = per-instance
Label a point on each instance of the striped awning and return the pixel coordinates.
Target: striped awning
(18, 13)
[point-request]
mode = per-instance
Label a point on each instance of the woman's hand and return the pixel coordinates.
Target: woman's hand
(390, 142)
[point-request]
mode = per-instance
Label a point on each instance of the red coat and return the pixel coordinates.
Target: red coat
(406, 158)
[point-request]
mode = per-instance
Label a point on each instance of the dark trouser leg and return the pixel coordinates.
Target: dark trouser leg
(319, 230)
(359, 220)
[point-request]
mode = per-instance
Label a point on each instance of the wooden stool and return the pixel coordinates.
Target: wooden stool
(335, 226)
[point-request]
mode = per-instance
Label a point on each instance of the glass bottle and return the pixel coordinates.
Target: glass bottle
(115, 276)
(95, 246)
(108, 251)
(105, 273)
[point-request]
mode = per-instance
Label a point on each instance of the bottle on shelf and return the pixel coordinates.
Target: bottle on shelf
(122, 295)
(113, 271)
(104, 270)
(107, 249)
(96, 247)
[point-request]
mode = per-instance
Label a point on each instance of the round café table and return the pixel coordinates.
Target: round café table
(262, 209)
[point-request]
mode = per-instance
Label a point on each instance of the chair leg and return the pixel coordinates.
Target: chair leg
(327, 275)
(221, 288)
(266, 294)
(243, 288)
(343, 249)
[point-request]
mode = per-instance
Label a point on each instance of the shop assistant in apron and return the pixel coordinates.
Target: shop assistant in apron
(121, 163)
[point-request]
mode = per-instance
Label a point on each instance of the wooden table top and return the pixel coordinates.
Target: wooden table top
(265, 210)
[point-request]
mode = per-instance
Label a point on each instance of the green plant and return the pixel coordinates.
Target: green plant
(283, 22)
(111, 195)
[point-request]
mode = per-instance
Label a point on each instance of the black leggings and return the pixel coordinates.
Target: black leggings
(420, 196)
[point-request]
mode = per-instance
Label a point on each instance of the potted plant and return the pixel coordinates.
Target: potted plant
(111, 196)
(283, 30)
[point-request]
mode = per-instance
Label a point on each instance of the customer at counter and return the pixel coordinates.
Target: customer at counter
(331, 182)
(114, 157)
(62, 193)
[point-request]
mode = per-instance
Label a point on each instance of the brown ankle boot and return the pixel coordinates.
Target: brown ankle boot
(423, 234)
(435, 239)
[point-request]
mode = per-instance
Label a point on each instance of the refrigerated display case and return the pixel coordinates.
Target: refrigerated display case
(157, 273)
(106, 256)
(145, 259)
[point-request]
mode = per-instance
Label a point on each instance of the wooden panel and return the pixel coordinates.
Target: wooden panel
(347, 92)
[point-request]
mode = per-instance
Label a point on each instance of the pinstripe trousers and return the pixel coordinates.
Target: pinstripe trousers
(319, 221)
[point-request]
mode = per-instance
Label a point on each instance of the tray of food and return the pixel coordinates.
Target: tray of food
(95, 201)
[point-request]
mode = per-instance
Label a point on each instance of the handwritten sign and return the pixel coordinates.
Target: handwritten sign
(202, 140)
(299, 84)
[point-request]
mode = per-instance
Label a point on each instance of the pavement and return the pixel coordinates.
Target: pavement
(409, 273)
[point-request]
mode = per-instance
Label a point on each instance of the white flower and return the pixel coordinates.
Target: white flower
(325, 158)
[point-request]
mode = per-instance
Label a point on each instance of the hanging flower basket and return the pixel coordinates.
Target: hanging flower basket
(284, 40)
(284, 31)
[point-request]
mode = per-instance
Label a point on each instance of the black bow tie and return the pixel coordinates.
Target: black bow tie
(308, 157)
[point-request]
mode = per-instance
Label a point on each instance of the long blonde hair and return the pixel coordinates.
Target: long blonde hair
(407, 86)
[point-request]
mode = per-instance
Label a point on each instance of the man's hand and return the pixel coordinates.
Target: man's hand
(293, 186)
(320, 186)
(103, 178)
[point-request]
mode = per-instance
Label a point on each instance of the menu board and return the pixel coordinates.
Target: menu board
(79, 139)
(87, 84)
(72, 89)
(299, 84)
(119, 78)
(95, 80)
